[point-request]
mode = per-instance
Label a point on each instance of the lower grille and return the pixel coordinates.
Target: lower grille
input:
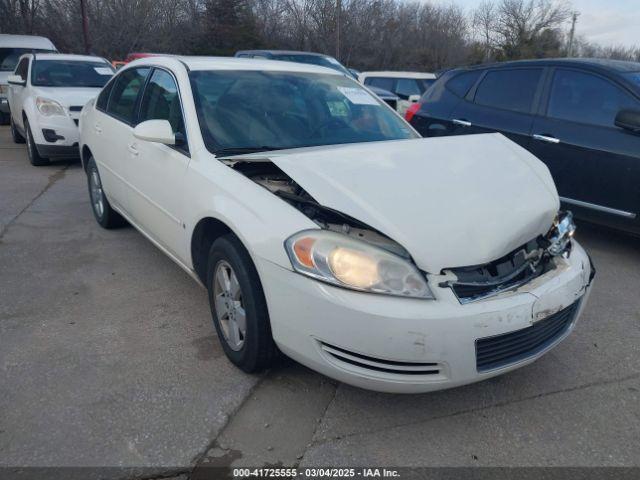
(502, 350)
(507, 273)
(379, 365)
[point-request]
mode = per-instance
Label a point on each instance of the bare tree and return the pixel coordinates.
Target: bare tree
(485, 23)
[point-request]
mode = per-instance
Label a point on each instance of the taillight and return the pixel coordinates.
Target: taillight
(411, 111)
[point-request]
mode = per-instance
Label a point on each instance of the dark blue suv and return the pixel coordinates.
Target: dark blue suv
(581, 117)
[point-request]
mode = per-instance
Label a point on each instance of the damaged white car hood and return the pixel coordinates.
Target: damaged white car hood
(450, 201)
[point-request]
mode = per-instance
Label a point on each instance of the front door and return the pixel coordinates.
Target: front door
(157, 171)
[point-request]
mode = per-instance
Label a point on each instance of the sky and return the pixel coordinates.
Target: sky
(607, 22)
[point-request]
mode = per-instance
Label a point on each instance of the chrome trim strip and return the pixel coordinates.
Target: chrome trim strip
(600, 208)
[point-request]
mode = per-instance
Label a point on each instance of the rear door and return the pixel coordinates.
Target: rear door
(595, 164)
(114, 131)
(503, 101)
(440, 100)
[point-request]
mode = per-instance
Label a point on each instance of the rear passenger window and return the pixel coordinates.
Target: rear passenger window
(509, 89)
(124, 94)
(585, 98)
(462, 83)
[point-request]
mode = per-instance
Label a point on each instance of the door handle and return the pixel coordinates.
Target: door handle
(461, 122)
(546, 138)
(133, 150)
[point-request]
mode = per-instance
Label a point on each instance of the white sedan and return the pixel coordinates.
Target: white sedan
(46, 94)
(324, 227)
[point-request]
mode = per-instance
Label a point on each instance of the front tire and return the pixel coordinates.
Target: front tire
(34, 157)
(104, 214)
(15, 135)
(238, 306)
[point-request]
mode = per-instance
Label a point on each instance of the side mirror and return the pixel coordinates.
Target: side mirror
(629, 120)
(156, 131)
(16, 80)
(414, 98)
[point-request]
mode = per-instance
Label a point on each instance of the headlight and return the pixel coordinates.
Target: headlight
(49, 107)
(4, 89)
(341, 260)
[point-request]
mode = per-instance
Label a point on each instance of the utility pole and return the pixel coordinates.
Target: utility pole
(338, 15)
(574, 19)
(85, 26)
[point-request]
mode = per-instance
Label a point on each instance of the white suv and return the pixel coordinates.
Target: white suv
(46, 94)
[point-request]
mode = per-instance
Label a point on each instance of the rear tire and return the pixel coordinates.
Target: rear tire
(15, 135)
(238, 306)
(104, 214)
(34, 157)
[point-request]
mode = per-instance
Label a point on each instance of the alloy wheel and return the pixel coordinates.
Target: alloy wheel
(229, 305)
(97, 195)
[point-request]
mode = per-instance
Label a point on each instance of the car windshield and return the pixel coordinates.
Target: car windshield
(70, 73)
(241, 111)
(9, 57)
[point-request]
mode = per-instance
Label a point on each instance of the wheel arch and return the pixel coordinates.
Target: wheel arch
(85, 155)
(206, 231)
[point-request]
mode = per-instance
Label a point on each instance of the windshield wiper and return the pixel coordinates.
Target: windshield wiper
(224, 152)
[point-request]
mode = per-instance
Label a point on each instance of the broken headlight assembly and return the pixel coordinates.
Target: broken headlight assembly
(339, 260)
(562, 231)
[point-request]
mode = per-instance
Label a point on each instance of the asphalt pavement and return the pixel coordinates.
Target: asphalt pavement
(108, 357)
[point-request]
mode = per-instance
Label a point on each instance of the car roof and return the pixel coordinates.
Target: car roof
(69, 57)
(617, 66)
(25, 41)
(281, 52)
(232, 63)
(392, 74)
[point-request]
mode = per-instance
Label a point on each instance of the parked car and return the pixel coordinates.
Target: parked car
(138, 55)
(320, 59)
(322, 224)
(309, 58)
(581, 117)
(46, 94)
(388, 97)
(12, 47)
(408, 86)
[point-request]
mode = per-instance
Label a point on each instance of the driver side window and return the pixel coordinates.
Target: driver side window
(23, 68)
(161, 101)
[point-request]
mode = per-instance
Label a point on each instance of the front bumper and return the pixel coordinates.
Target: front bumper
(375, 341)
(67, 133)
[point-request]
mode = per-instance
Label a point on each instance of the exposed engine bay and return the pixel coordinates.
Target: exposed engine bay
(468, 283)
(269, 176)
